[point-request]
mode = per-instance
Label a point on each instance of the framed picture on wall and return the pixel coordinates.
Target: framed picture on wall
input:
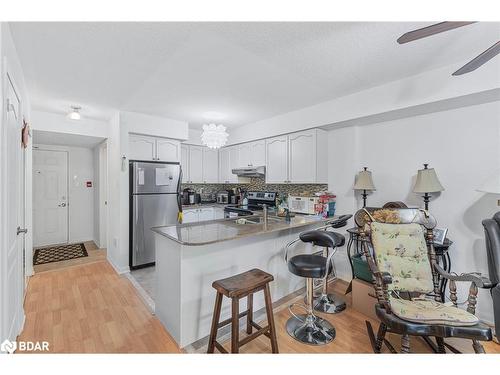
(439, 235)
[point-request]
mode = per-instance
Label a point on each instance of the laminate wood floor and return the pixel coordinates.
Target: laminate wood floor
(89, 308)
(351, 335)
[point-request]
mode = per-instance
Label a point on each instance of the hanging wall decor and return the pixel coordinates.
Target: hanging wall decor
(25, 134)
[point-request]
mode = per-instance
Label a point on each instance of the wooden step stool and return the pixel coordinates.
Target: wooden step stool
(236, 287)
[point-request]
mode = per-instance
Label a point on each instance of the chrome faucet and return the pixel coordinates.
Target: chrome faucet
(264, 214)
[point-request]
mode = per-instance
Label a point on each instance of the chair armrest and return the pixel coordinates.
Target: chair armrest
(385, 277)
(476, 278)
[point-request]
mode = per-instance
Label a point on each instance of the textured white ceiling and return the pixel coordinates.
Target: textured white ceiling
(246, 71)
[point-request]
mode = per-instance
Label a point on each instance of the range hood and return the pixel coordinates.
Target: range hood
(250, 171)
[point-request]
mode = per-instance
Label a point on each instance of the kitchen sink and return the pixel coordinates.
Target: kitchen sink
(258, 220)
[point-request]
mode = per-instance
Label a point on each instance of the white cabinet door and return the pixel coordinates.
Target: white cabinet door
(185, 163)
(218, 213)
(277, 160)
(233, 163)
(167, 149)
(258, 153)
(190, 216)
(224, 165)
(302, 157)
(141, 147)
(210, 165)
(195, 164)
(205, 214)
(245, 155)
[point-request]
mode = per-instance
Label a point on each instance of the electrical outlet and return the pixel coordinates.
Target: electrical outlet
(115, 242)
(498, 202)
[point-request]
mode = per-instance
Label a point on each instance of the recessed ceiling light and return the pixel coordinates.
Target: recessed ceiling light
(75, 113)
(213, 115)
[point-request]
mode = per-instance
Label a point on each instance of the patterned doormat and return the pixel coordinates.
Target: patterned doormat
(59, 253)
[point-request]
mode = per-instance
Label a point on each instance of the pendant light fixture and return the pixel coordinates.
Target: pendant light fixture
(214, 136)
(75, 113)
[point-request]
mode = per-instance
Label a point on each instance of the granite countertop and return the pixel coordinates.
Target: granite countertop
(200, 205)
(209, 232)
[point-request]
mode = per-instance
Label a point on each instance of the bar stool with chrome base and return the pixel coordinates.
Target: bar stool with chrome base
(328, 302)
(325, 302)
(309, 328)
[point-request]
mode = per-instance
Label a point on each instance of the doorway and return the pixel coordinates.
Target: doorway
(69, 184)
(13, 216)
(50, 197)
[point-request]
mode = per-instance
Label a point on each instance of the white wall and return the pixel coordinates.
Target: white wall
(463, 145)
(59, 123)
(82, 213)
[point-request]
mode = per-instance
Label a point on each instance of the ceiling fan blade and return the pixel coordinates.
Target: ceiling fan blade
(479, 60)
(430, 30)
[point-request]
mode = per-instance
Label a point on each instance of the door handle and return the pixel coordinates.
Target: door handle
(62, 205)
(19, 230)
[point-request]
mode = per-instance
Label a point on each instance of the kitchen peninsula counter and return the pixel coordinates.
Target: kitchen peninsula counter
(210, 232)
(190, 257)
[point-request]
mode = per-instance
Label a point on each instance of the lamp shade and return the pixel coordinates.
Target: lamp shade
(492, 185)
(427, 181)
(364, 181)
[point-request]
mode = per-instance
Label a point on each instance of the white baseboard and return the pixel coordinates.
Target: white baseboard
(120, 270)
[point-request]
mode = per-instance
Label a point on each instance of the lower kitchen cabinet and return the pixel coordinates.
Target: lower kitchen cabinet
(195, 215)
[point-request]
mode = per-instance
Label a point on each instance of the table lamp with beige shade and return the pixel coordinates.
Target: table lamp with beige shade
(491, 186)
(427, 182)
(364, 182)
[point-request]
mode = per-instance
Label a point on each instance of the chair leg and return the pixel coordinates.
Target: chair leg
(382, 330)
(270, 319)
(249, 313)
(405, 344)
(215, 323)
(478, 347)
(235, 326)
(440, 345)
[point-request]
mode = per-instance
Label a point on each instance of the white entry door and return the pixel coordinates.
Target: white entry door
(50, 197)
(12, 289)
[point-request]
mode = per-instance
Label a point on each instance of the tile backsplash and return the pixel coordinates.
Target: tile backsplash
(259, 184)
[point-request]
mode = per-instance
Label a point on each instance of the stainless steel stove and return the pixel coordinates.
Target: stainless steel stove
(256, 199)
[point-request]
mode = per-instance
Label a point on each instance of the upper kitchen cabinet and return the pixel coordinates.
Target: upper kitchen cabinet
(142, 147)
(299, 158)
(252, 154)
(167, 149)
(210, 165)
(258, 152)
(195, 164)
(277, 160)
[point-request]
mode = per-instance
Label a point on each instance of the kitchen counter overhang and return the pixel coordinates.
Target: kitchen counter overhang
(215, 231)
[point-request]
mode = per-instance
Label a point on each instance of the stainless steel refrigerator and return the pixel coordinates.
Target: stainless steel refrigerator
(154, 201)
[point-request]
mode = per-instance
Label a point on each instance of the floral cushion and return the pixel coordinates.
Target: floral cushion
(401, 250)
(431, 312)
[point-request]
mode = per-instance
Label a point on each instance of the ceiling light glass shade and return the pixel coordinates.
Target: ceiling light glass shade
(75, 114)
(214, 136)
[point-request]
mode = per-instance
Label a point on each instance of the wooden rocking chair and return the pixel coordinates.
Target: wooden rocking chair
(398, 245)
